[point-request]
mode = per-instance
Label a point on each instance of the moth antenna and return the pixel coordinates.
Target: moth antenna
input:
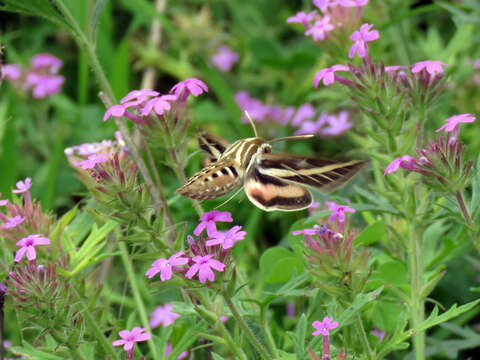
(251, 122)
(230, 198)
(295, 137)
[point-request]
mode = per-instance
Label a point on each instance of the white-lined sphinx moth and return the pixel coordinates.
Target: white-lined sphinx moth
(271, 181)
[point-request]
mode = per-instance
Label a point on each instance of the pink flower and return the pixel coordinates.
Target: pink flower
(115, 111)
(209, 219)
(224, 59)
(323, 5)
(430, 66)
(353, 3)
(168, 350)
(320, 28)
(304, 112)
(129, 338)
(159, 105)
(302, 18)
(476, 64)
(393, 68)
(324, 326)
(224, 318)
(13, 222)
(49, 61)
(308, 127)
(290, 310)
(190, 86)
(337, 124)
(360, 39)
(92, 161)
(163, 315)
(164, 266)
(406, 161)
(137, 97)
(28, 246)
(455, 120)
(312, 208)
(47, 85)
(204, 265)
(328, 75)
(3, 202)
(378, 333)
(23, 186)
(338, 211)
(12, 72)
(227, 238)
(317, 230)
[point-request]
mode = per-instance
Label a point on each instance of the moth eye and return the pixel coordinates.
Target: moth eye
(267, 150)
(214, 175)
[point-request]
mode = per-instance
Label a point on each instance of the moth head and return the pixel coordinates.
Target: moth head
(264, 148)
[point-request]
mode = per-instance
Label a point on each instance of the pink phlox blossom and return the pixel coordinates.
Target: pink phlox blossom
(308, 127)
(23, 186)
(287, 115)
(406, 161)
(159, 105)
(320, 28)
(361, 38)
(290, 310)
(476, 64)
(302, 18)
(328, 75)
(224, 58)
(129, 338)
(47, 85)
(3, 202)
(137, 97)
(454, 121)
(255, 108)
(208, 220)
(163, 315)
(317, 230)
(353, 3)
(13, 222)
(304, 112)
(227, 238)
(379, 334)
(394, 68)
(324, 5)
(338, 211)
(324, 326)
(224, 318)
(164, 266)
(28, 246)
(168, 350)
(204, 265)
(92, 160)
(430, 66)
(337, 124)
(12, 72)
(189, 86)
(45, 60)
(115, 111)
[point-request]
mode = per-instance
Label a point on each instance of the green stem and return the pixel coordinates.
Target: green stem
(93, 325)
(136, 294)
(246, 329)
(416, 283)
(468, 218)
(226, 335)
(364, 338)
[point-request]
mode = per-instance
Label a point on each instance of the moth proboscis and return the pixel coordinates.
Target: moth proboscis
(271, 181)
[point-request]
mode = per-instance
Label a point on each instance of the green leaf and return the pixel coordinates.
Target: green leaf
(358, 303)
(371, 234)
(97, 11)
(474, 206)
(216, 356)
(42, 8)
(300, 337)
(277, 264)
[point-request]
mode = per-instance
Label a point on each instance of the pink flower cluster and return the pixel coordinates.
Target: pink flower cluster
(206, 255)
(411, 163)
(224, 58)
(335, 14)
(137, 105)
(301, 117)
(41, 77)
(326, 125)
(13, 225)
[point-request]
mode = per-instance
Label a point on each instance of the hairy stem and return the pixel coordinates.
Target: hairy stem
(468, 218)
(246, 329)
(364, 338)
(136, 294)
